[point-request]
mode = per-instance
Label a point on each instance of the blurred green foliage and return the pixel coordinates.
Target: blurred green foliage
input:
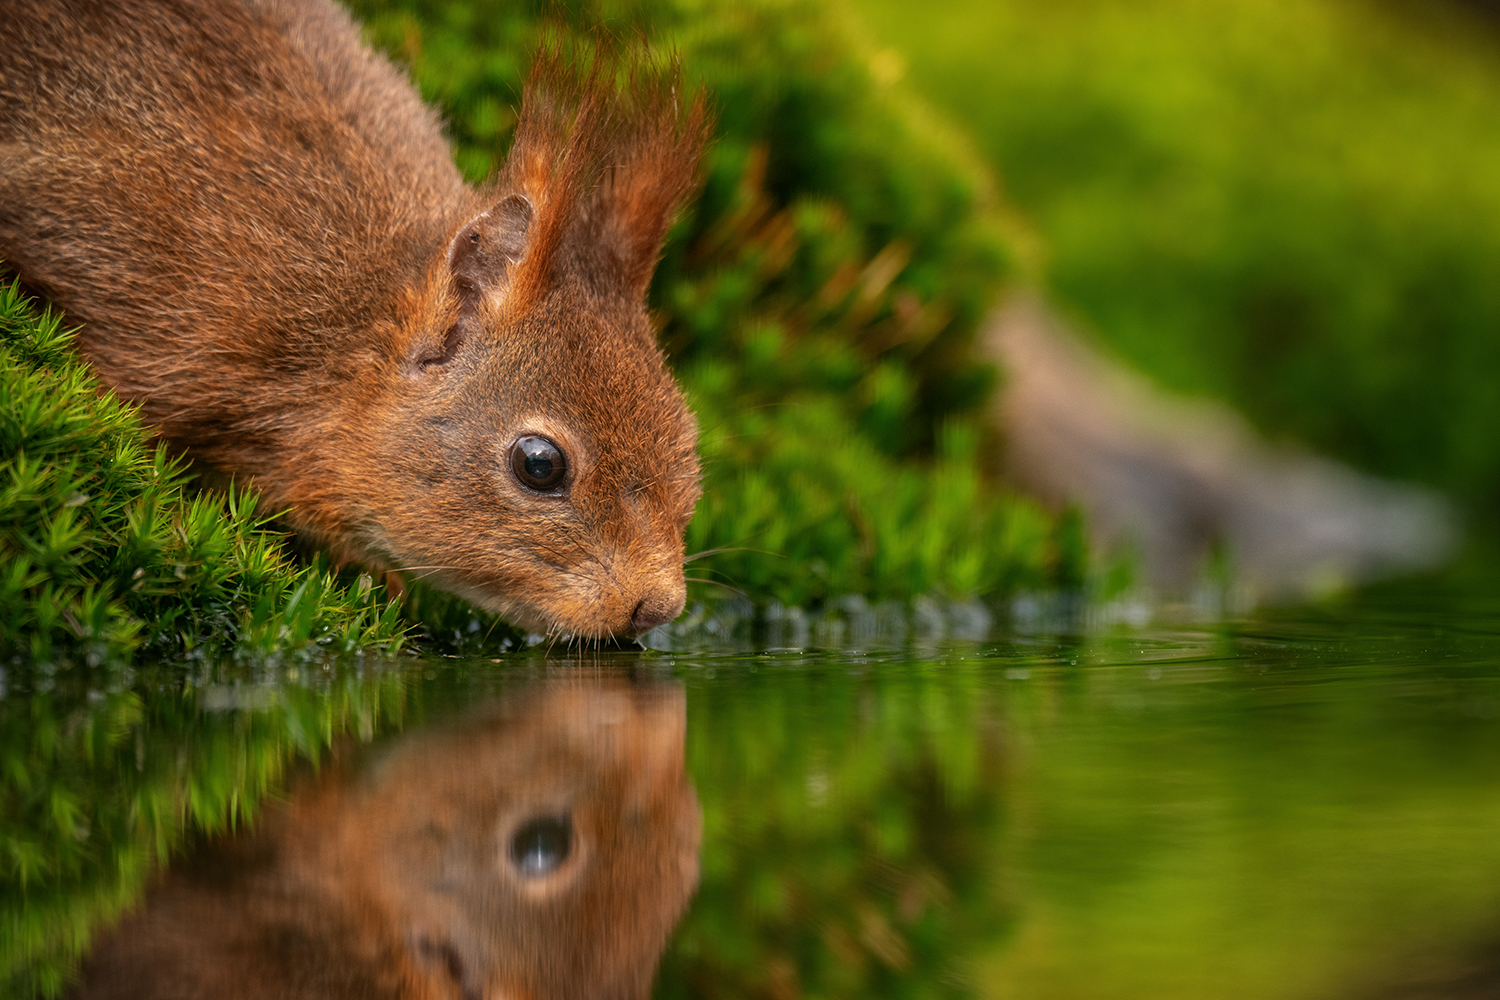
(105, 548)
(1292, 206)
(819, 299)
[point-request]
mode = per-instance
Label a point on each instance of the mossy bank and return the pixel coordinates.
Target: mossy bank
(107, 549)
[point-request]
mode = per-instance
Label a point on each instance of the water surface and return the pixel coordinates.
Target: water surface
(1302, 803)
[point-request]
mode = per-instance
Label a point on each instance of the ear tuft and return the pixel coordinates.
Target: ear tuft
(607, 146)
(654, 169)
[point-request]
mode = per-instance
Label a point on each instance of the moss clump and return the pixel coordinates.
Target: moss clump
(827, 514)
(106, 550)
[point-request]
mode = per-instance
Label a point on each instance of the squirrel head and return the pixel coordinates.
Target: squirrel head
(544, 460)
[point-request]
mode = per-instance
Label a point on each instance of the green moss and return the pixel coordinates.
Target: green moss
(107, 551)
(808, 509)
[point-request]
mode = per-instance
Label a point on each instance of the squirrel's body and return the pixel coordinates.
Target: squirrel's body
(258, 225)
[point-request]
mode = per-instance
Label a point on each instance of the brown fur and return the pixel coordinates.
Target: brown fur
(260, 228)
(392, 879)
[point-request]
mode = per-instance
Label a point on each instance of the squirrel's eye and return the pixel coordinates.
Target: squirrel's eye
(541, 845)
(539, 464)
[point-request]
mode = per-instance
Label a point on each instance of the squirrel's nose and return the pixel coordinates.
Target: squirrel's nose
(658, 608)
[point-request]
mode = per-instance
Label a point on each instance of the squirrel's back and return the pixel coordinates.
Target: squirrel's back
(219, 172)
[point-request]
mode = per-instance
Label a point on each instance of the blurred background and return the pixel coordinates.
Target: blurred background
(1291, 207)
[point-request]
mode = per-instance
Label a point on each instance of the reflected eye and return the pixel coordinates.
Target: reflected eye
(539, 464)
(541, 845)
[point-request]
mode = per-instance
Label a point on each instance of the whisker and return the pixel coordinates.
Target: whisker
(716, 583)
(725, 548)
(710, 569)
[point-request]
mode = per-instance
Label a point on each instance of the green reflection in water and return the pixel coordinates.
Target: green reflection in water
(106, 774)
(1300, 806)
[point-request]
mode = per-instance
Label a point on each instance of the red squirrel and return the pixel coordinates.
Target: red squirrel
(260, 229)
(542, 846)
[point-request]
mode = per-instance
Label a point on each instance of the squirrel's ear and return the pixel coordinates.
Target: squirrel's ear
(481, 260)
(487, 249)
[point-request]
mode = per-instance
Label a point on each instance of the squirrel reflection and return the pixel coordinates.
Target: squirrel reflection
(541, 846)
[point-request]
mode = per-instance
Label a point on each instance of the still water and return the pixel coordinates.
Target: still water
(1302, 803)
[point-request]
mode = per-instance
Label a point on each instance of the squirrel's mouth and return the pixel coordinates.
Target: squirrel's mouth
(573, 608)
(597, 600)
